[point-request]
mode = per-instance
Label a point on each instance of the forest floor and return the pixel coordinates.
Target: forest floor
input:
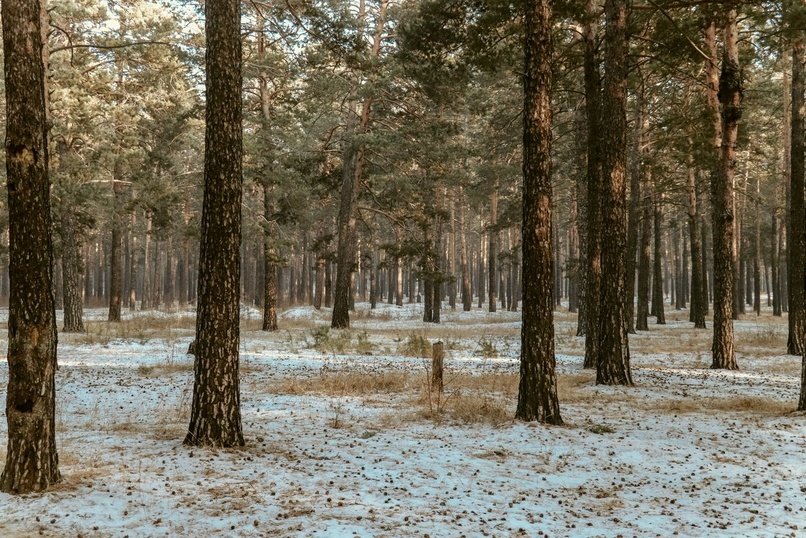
(344, 437)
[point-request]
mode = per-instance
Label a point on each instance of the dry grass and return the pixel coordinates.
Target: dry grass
(346, 384)
(740, 404)
(140, 329)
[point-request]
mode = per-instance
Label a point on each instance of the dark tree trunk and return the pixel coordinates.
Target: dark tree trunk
(492, 252)
(796, 235)
(116, 258)
(774, 264)
(696, 301)
(215, 418)
(635, 202)
(593, 269)
(32, 463)
(537, 392)
(72, 272)
(730, 95)
(645, 256)
(613, 362)
(270, 265)
(657, 264)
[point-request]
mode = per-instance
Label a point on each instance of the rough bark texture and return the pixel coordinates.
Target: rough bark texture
(116, 256)
(796, 236)
(492, 250)
(697, 307)
(613, 360)
(644, 261)
(593, 269)
(797, 160)
(537, 392)
(269, 265)
(634, 207)
(72, 274)
(730, 95)
(32, 463)
(352, 174)
(467, 294)
(657, 265)
(215, 418)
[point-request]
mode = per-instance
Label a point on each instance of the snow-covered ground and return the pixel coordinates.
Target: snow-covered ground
(687, 452)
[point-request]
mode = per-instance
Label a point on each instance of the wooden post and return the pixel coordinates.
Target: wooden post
(437, 356)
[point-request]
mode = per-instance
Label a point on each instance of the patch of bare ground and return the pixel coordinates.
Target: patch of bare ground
(749, 405)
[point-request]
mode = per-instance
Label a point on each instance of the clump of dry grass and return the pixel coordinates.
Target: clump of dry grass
(345, 384)
(739, 404)
(139, 328)
(469, 408)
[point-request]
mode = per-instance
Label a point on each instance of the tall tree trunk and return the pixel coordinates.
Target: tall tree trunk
(72, 269)
(594, 176)
(641, 147)
(613, 363)
(215, 417)
(537, 391)
(353, 172)
(116, 258)
(492, 252)
(270, 265)
(31, 458)
(657, 264)
(644, 258)
(796, 235)
(696, 301)
(467, 295)
(730, 94)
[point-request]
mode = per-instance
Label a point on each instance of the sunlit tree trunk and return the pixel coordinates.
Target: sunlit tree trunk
(537, 392)
(32, 463)
(215, 417)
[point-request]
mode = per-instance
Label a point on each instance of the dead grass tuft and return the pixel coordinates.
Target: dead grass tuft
(740, 404)
(345, 384)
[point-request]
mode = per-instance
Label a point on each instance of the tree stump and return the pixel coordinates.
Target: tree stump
(437, 356)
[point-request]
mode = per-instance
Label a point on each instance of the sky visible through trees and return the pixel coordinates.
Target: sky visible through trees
(600, 173)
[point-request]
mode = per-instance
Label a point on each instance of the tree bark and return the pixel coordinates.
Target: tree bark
(492, 252)
(796, 236)
(593, 269)
(730, 94)
(537, 391)
(352, 175)
(31, 458)
(72, 272)
(645, 256)
(696, 300)
(657, 264)
(613, 362)
(215, 418)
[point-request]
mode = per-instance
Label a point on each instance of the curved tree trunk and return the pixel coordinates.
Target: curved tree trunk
(730, 89)
(215, 417)
(537, 392)
(31, 459)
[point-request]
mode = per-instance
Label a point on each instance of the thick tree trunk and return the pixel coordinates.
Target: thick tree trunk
(613, 362)
(215, 418)
(593, 269)
(796, 235)
(31, 459)
(537, 392)
(730, 91)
